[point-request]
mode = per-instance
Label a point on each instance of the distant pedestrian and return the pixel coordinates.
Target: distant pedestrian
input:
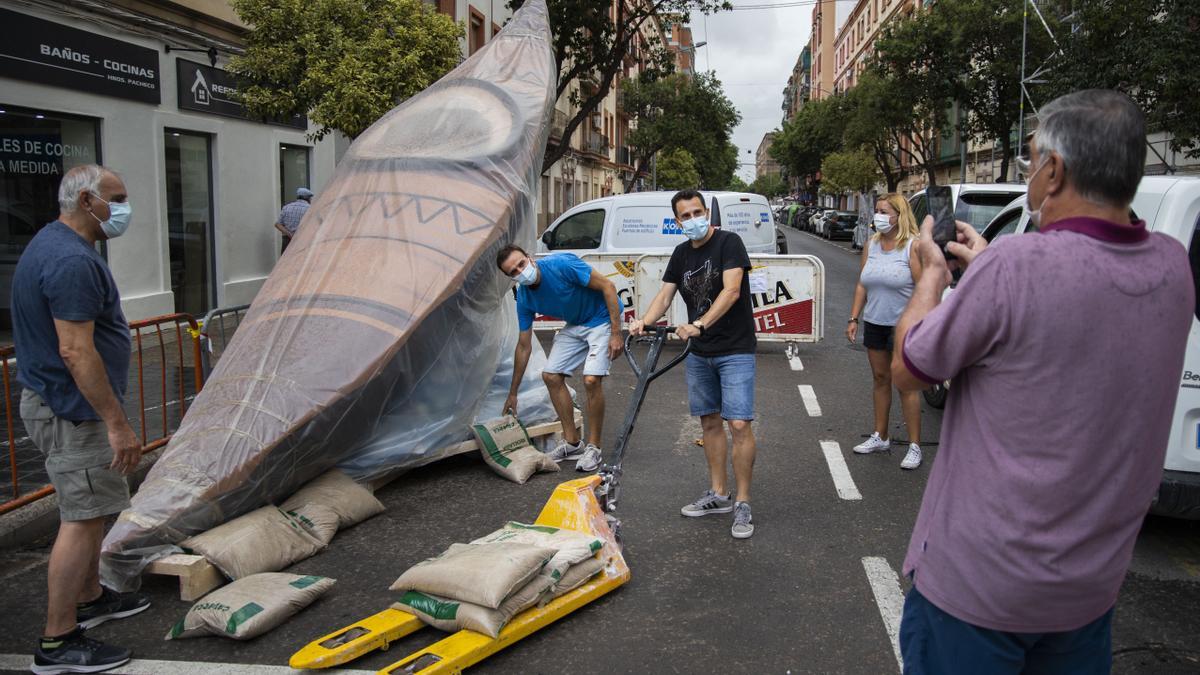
(1065, 348)
(562, 285)
(711, 271)
(73, 344)
(291, 215)
(890, 269)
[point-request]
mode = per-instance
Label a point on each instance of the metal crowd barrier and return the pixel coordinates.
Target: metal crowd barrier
(175, 376)
(216, 331)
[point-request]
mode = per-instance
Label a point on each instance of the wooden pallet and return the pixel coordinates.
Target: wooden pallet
(197, 576)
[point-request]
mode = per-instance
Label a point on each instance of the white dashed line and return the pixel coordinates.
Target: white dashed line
(890, 599)
(810, 400)
(842, 480)
(21, 662)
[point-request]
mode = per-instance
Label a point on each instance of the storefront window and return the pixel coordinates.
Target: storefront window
(293, 171)
(35, 149)
(190, 220)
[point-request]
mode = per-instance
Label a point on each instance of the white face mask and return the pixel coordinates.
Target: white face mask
(527, 276)
(1035, 215)
(883, 223)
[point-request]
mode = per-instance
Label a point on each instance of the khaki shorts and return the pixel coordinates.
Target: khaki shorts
(77, 459)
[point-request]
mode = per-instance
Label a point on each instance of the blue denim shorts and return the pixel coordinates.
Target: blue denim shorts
(723, 384)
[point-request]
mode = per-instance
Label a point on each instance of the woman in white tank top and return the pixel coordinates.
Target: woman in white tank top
(890, 269)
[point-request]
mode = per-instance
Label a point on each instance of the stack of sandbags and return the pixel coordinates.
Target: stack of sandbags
(481, 586)
(507, 448)
(272, 538)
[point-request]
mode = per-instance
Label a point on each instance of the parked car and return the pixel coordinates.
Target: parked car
(642, 222)
(840, 226)
(974, 203)
(816, 222)
(1170, 205)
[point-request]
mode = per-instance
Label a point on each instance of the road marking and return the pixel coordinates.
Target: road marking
(846, 488)
(795, 363)
(21, 662)
(890, 599)
(810, 400)
(36, 561)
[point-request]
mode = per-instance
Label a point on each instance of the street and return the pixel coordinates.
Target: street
(815, 590)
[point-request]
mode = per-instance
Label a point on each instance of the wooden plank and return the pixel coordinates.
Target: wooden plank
(196, 575)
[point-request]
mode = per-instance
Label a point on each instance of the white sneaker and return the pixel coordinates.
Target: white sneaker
(566, 451)
(913, 459)
(876, 444)
(590, 461)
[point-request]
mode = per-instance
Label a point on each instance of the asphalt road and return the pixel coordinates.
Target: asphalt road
(814, 591)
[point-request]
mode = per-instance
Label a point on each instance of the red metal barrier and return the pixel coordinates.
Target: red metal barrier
(151, 338)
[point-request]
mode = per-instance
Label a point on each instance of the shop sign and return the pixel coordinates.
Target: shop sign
(45, 52)
(212, 90)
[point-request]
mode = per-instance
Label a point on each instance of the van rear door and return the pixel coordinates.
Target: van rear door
(747, 215)
(643, 228)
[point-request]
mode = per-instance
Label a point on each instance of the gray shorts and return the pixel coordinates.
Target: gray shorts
(77, 459)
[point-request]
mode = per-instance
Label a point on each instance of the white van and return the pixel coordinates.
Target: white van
(1170, 205)
(643, 222)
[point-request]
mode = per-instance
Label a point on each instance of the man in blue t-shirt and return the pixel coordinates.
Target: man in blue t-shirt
(73, 345)
(564, 287)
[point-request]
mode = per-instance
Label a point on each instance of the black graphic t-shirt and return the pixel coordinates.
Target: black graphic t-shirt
(697, 273)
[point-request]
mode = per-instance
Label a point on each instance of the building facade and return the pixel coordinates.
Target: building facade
(799, 85)
(821, 47)
(137, 86)
(855, 41)
(764, 163)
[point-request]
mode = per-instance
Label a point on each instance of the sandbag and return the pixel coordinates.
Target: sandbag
(320, 521)
(506, 447)
(575, 576)
(352, 502)
(251, 606)
(484, 574)
(452, 615)
(572, 547)
(265, 540)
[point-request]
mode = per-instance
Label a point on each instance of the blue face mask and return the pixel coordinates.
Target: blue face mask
(696, 228)
(527, 276)
(118, 219)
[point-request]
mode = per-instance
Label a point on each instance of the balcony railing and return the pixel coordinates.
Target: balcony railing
(623, 156)
(597, 144)
(558, 124)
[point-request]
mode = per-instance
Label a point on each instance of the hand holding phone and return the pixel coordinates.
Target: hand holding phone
(941, 208)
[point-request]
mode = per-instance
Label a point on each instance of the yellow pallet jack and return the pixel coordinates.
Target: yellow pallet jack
(585, 505)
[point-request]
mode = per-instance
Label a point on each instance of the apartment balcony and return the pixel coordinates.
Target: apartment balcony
(596, 144)
(624, 157)
(558, 124)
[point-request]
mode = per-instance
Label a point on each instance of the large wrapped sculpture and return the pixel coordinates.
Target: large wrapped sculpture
(386, 306)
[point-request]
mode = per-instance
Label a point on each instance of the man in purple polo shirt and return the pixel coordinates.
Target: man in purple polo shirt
(1049, 459)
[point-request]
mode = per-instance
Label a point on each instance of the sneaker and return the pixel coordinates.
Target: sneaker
(110, 605)
(566, 451)
(913, 459)
(873, 444)
(708, 503)
(743, 525)
(78, 653)
(590, 461)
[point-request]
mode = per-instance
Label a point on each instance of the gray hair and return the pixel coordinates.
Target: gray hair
(1101, 136)
(77, 180)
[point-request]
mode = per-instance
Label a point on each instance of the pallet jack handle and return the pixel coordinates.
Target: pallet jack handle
(660, 333)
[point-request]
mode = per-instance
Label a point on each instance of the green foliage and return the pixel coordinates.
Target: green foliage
(677, 171)
(850, 171)
(736, 184)
(593, 40)
(873, 120)
(344, 63)
(1145, 48)
(770, 185)
(691, 113)
(816, 131)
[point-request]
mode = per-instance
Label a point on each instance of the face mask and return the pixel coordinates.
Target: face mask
(118, 218)
(1035, 215)
(696, 228)
(527, 276)
(883, 223)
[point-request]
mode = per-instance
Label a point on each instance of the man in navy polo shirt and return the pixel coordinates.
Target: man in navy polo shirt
(73, 347)
(565, 287)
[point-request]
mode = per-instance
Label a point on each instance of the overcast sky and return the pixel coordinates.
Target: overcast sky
(753, 52)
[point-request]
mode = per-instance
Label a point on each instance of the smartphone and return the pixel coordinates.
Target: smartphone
(941, 207)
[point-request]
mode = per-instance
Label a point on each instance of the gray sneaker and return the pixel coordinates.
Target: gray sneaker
(743, 525)
(590, 460)
(566, 451)
(708, 503)
(110, 605)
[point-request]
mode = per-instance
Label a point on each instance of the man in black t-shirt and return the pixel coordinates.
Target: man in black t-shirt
(710, 271)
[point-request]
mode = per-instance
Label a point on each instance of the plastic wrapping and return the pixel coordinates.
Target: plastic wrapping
(387, 305)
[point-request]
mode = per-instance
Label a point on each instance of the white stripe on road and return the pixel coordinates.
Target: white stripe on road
(810, 400)
(21, 662)
(886, 587)
(846, 488)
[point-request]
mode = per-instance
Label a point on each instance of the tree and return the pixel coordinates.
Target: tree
(592, 42)
(1145, 48)
(873, 120)
(850, 171)
(736, 184)
(813, 133)
(344, 63)
(677, 171)
(769, 185)
(678, 111)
